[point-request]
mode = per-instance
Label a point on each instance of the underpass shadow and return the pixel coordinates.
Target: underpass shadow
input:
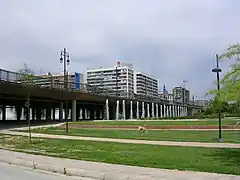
(9, 124)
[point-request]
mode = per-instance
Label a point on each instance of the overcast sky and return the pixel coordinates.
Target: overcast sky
(174, 40)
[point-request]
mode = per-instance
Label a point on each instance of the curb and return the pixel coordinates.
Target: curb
(77, 172)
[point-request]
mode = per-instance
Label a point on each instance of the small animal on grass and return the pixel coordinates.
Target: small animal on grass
(142, 129)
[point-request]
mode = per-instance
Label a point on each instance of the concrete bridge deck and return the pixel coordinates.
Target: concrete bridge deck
(14, 93)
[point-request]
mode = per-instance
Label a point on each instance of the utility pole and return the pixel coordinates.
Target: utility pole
(65, 59)
(116, 81)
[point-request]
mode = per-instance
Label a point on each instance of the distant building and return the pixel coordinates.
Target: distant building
(74, 80)
(118, 79)
(145, 85)
(181, 95)
(202, 103)
(165, 95)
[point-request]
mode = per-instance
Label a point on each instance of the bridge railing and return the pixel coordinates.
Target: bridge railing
(51, 82)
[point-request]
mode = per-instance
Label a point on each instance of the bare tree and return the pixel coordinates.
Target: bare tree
(27, 79)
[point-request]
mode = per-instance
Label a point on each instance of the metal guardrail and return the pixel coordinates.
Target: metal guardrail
(51, 82)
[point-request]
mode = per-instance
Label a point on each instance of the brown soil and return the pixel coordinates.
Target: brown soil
(153, 127)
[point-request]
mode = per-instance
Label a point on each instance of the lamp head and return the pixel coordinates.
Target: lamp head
(217, 70)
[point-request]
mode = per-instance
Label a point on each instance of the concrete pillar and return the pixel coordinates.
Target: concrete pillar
(137, 111)
(148, 111)
(167, 111)
(143, 110)
(179, 111)
(174, 112)
(170, 111)
(88, 113)
(117, 110)
(107, 109)
(131, 110)
(33, 113)
(157, 116)
(53, 113)
(153, 107)
(95, 114)
(61, 112)
(44, 112)
(74, 110)
(83, 113)
(161, 109)
(124, 109)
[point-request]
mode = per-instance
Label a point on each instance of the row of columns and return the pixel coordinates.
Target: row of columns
(156, 111)
(80, 113)
(141, 110)
(51, 112)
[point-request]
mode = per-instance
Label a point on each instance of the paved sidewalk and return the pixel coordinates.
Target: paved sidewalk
(60, 124)
(104, 171)
(129, 141)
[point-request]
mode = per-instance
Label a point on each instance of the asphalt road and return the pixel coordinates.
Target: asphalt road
(10, 172)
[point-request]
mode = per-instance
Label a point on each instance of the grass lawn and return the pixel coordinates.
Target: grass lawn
(183, 158)
(170, 135)
(225, 121)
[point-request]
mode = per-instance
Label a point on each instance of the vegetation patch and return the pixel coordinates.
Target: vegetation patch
(182, 158)
(158, 135)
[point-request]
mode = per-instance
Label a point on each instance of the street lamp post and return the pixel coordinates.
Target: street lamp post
(65, 59)
(218, 70)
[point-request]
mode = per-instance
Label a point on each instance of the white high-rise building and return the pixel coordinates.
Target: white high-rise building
(119, 79)
(145, 85)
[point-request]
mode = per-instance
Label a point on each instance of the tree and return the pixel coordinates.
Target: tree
(27, 79)
(230, 83)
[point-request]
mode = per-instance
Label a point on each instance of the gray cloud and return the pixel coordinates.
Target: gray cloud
(174, 40)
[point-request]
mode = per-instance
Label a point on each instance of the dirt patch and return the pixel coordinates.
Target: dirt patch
(151, 127)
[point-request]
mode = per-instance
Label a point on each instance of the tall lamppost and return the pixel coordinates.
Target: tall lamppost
(65, 59)
(218, 70)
